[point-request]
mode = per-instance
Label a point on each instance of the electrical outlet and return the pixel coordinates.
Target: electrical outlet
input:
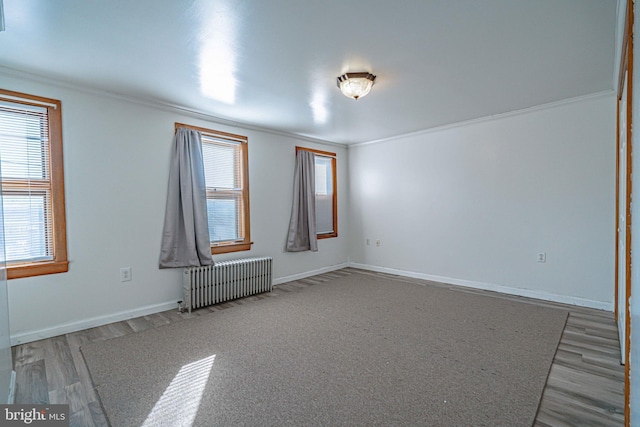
(378, 243)
(125, 274)
(542, 257)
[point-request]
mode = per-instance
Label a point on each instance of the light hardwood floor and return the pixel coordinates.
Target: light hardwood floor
(584, 388)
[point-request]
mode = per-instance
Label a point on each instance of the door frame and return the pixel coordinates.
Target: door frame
(626, 68)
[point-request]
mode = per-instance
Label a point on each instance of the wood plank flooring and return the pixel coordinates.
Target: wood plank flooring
(584, 388)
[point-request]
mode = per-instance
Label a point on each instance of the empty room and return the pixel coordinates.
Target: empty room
(222, 213)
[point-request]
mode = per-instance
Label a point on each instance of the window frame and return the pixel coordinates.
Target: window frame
(334, 174)
(59, 263)
(245, 220)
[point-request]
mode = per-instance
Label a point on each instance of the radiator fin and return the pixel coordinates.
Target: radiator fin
(226, 280)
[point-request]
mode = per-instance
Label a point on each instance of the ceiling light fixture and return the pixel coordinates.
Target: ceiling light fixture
(355, 85)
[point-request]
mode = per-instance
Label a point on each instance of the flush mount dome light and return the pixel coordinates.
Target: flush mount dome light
(355, 85)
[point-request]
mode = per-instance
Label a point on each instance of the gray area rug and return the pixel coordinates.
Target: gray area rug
(361, 350)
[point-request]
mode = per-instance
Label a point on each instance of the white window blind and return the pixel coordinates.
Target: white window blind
(26, 182)
(223, 177)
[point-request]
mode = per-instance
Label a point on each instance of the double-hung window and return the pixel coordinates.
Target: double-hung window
(326, 193)
(226, 173)
(32, 174)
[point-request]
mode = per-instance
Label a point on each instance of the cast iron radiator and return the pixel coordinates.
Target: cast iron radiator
(226, 280)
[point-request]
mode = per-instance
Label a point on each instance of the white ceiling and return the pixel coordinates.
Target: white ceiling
(273, 64)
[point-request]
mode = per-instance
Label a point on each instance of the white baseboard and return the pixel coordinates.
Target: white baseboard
(29, 336)
(306, 274)
(65, 328)
(529, 293)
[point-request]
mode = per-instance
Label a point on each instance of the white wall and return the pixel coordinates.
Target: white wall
(116, 157)
(475, 204)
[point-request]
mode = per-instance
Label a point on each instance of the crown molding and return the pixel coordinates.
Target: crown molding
(157, 104)
(203, 115)
(494, 117)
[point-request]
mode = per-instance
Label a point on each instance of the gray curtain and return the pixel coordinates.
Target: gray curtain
(185, 239)
(302, 225)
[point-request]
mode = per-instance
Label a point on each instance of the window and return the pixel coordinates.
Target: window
(326, 193)
(32, 185)
(227, 179)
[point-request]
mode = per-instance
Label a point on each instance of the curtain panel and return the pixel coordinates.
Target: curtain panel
(302, 225)
(185, 238)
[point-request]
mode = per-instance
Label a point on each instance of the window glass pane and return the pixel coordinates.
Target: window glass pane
(324, 194)
(221, 164)
(224, 188)
(223, 219)
(321, 178)
(26, 227)
(3, 256)
(227, 181)
(30, 142)
(24, 138)
(26, 188)
(324, 214)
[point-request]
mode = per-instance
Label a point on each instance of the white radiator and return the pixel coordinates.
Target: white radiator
(226, 280)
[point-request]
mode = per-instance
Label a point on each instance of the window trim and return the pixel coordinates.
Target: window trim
(245, 223)
(60, 263)
(334, 174)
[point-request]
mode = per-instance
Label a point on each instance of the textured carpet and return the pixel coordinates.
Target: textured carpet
(358, 350)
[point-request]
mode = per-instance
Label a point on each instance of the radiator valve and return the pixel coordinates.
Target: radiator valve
(180, 307)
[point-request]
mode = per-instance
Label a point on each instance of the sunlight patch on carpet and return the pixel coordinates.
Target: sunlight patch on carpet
(178, 405)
